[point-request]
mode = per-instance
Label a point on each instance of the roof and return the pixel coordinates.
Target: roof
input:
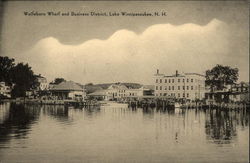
(174, 75)
(98, 93)
(117, 86)
(194, 74)
(181, 75)
(148, 87)
(67, 86)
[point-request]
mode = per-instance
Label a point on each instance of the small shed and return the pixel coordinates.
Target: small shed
(99, 95)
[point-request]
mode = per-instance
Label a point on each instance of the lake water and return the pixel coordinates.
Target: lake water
(115, 133)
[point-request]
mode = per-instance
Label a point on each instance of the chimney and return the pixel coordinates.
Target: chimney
(176, 73)
(157, 72)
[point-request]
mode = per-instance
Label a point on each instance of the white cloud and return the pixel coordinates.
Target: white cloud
(131, 57)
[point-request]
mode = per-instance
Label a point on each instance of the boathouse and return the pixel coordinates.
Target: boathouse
(68, 90)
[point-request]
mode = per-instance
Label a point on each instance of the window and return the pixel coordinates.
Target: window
(166, 88)
(164, 94)
(187, 87)
(172, 80)
(183, 80)
(192, 87)
(179, 80)
(192, 80)
(160, 87)
(156, 81)
(183, 94)
(179, 95)
(187, 94)
(179, 88)
(187, 80)
(160, 94)
(166, 80)
(183, 87)
(169, 88)
(169, 80)
(156, 88)
(172, 87)
(160, 80)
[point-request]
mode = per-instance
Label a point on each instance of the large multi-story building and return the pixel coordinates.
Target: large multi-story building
(188, 85)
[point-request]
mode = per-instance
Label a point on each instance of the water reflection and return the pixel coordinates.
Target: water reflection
(117, 132)
(91, 112)
(58, 112)
(221, 126)
(16, 121)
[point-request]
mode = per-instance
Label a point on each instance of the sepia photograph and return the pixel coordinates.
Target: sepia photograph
(124, 81)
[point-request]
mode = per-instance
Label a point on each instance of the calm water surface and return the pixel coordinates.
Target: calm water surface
(116, 133)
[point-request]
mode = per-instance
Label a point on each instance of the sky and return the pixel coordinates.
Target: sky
(194, 36)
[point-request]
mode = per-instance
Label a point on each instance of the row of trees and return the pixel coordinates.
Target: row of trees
(19, 75)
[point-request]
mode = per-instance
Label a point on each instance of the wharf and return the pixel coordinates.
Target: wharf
(151, 103)
(164, 104)
(85, 103)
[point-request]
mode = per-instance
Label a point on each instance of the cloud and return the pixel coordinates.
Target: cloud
(129, 57)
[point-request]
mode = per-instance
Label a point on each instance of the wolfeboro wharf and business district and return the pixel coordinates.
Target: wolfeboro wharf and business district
(176, 91)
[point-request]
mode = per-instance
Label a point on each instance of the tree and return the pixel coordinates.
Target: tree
(220, 76)
(58, 80)
(23, 78)
(6, 64)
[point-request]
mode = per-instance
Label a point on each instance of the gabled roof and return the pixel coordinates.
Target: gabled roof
(67, 86)
(117, 86)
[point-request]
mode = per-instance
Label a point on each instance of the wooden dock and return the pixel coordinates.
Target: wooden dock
(152, 103)
(170, 104)
(76, 103)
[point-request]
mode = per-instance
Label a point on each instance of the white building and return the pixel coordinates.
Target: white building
(188, 85)
(116, 91)
(134, 92)
(142, 91)
(43, 84)
(5, 90)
